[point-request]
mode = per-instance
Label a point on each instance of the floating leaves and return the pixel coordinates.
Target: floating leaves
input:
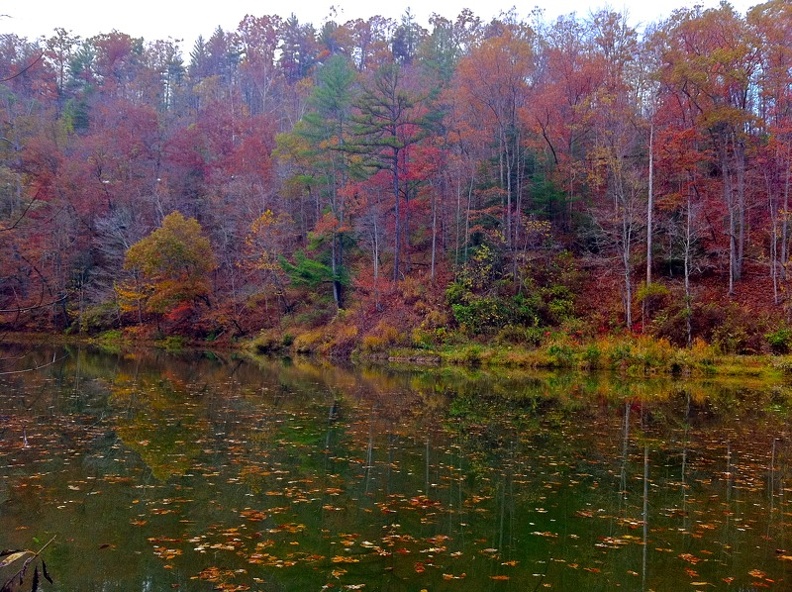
(239, 485)
(222, 579)
(689, 558)
(253, 515)
(757, 573)
(344, 559)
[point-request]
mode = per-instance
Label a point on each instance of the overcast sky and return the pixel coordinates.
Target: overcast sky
(177, 19)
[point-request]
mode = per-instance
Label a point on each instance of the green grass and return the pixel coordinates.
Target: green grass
(628, 355)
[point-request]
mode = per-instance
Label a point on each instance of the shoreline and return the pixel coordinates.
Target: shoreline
(636, 356)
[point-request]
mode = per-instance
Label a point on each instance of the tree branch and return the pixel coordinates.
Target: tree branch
(34, 307)
(25, 69)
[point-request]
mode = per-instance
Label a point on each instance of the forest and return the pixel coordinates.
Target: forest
(374, 184)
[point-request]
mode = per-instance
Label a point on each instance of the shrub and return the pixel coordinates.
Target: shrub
(779, 340)
(341, 340)
(308, 342)
(267, 343)
(429, 338)
(99, 318)
(654, 295)
(515, 335)
(382, 338)
(561, 355)
(592, 357)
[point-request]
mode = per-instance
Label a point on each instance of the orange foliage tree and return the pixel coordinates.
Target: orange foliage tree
(170, 267)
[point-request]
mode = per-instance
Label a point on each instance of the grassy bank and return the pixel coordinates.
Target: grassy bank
(635, 356)
(628, 354)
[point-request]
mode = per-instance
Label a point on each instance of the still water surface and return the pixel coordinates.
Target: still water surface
(200, 472)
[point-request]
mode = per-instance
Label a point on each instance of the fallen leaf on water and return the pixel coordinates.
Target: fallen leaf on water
(757, 573)
(343, 559)
(253, 515)
(12, 557)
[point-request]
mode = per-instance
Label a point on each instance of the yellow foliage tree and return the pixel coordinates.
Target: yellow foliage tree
(171, 267)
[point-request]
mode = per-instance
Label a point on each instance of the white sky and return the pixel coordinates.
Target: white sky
(178, 19)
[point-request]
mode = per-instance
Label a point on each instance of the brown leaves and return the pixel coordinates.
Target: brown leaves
(166, 553)
(253, 515)
(344, 559)
(757, 573)
(692, 559)
(221, 577)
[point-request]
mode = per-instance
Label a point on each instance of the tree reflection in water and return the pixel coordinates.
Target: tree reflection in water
(201, 473)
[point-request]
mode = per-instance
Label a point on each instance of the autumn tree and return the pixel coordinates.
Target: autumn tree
(265, 244)
(298, 49)
(492, 83)
(171, 267)
(615, 156)
(260, 78)
(771, 25)
(59, 49)
(709, 62)
(370, 42)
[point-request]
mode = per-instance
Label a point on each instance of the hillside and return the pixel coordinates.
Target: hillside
(374, 185)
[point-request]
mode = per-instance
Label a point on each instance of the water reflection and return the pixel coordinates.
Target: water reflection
(205, 472)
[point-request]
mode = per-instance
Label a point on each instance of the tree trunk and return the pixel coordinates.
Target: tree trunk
(397, 213)
(687, 250)
(650, 207)
(434, 234)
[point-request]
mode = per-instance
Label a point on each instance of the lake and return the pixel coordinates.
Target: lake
(199, 471)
